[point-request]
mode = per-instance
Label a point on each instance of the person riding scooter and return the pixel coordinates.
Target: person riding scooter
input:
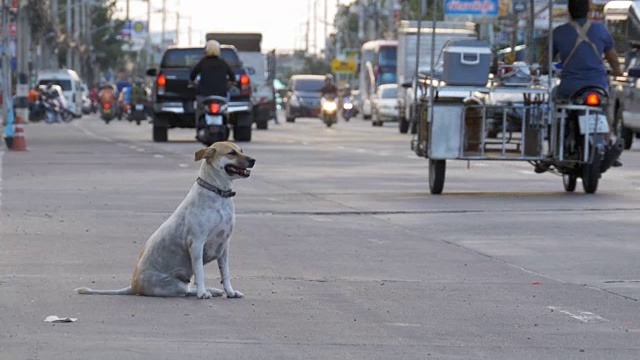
(329, 88)
(581, 45)
(216, 78)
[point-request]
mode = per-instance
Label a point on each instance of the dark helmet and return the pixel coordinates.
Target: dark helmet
(139, 82)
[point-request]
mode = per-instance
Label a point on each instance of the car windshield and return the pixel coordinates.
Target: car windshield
(64, 84)
(389, 93)
(309, 85)
(188, 58)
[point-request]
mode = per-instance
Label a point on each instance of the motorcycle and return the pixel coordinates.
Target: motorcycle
(54, 109)
(212, 121)
(347, 108)
(586, 152)
(107, 112)
(137, 112)
(329, 110)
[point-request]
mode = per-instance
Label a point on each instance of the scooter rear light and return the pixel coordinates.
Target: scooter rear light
(593, 100)
(107, 106)
(214, 108)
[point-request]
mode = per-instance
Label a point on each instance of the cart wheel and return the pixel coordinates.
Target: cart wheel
(436, 175)
(569, 181)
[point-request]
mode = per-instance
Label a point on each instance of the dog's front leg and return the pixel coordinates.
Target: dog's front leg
(196, 251)
(223, 265)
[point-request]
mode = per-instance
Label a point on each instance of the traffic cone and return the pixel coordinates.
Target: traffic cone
(19, 142)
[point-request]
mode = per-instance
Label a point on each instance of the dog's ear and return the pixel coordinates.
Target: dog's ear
(205, 153)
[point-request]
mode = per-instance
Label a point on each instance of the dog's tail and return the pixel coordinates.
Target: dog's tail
(87, 291)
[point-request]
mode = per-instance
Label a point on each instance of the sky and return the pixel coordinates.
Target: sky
(281, 22)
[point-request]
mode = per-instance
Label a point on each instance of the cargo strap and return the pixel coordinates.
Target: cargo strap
(582, 37)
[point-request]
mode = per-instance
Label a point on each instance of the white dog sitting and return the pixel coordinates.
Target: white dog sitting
(197, 233)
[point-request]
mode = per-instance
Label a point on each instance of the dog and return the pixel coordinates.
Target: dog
(197, 233)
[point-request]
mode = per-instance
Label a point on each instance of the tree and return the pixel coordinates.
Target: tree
(105, 37)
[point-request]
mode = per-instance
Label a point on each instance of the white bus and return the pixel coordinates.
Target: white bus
(378, 64)
(623, 22)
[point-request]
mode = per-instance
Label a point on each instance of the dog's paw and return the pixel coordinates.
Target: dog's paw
(215, 292)
(235, 295)
(204, 295)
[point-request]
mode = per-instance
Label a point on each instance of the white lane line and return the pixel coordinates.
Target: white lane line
(403, 324)
(361, 150)
(584, 316)
(320, 218)
(376, 241)
(158, 156)
(183, 165)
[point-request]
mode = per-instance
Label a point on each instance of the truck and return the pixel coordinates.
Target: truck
(260, 68)
(407, 46)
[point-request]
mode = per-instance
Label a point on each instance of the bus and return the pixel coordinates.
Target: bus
(378, 63)
(623, 22)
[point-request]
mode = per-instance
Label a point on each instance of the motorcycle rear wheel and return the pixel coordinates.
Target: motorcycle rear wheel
(591, 174)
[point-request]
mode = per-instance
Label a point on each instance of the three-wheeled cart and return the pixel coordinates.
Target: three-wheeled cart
(458, 121)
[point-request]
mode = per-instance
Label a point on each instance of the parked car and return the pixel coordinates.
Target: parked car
(627, 108)
(303, 96)
(385, 104)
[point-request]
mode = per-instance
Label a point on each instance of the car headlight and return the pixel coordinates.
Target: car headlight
(348, 106)
(294, 101)
(329, 106)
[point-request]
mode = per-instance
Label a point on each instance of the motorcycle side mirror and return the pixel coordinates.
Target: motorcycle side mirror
(634, 72)
(407, 85)
(152, 72)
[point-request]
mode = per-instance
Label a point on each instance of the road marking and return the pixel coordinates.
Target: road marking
(361, 150)
(183, 165)
(403, 324)
(376, 241)
(584, 316)
(320, 218)
(158, 156)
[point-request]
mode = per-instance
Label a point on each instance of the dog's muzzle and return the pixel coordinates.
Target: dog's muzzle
(243, 171)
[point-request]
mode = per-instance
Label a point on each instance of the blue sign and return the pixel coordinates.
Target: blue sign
(471, 10)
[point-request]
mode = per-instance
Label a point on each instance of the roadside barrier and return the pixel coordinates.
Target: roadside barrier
(19, 142)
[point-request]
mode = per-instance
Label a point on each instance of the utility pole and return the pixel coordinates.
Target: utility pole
(51, 43)
(76, 35)
(177, 27)
(315, 27)
(69, 34)
(361, 16)
(23, 44)
(6, 68)
(164, 22)
(326, 29)
(147, 41)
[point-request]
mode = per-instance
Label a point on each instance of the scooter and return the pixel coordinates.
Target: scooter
(329, 110)
(107, 112)
(586, 152)
(137, 112)
(212, 120)
(347, 108)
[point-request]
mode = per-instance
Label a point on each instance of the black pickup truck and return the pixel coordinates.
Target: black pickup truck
(174, 100)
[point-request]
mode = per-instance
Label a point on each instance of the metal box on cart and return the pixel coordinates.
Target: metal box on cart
(466, 62)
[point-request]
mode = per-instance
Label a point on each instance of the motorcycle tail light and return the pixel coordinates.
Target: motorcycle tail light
(107, 106)
(214, 108)
(593, 100)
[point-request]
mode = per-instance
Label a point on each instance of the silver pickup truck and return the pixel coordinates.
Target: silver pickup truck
(627, 108)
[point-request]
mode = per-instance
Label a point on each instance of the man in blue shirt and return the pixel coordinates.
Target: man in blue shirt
(581, 45)
(582, 63)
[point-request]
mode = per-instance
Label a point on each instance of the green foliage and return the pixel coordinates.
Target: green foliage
(413, 7)
(107, 45)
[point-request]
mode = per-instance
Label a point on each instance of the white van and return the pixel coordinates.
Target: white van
(70, 83)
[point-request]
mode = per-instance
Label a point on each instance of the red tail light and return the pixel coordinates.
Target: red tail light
(162, 80)
(245, 87)
(107, 106)
(593, 100)
(214, 108)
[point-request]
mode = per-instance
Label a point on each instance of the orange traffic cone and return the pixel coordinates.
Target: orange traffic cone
(19, 142)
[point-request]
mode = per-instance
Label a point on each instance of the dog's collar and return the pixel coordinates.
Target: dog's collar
(223, 193)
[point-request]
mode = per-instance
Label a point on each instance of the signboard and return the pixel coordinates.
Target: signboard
(471, 10)
(139, 29)
(339, 66)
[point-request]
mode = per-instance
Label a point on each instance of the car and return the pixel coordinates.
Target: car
(627, 105)
(173, 99)
(302, 98)
(385, 104)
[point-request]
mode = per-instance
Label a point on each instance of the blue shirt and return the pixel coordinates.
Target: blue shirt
(122, 84)
(584, 68)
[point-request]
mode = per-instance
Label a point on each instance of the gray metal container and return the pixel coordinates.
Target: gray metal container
(467, 62)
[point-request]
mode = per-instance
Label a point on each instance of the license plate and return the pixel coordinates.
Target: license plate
(139, 107)
(213, 119)
(106, 111)
(594, 123)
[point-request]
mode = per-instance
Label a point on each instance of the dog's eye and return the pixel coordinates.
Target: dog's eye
(233, 152)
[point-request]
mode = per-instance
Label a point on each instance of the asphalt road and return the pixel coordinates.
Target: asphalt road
(339, 248)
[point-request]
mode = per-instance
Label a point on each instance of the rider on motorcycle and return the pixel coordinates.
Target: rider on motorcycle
(329, 88)
(581, 45)
(138, 92)
(216, 77)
